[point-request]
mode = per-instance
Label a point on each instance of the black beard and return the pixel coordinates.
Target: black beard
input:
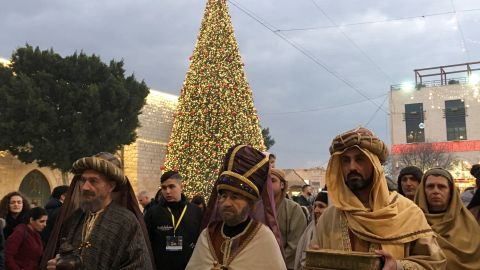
(355, 184)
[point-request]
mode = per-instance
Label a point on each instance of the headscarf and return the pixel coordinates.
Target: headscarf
(409, 170)
(458, 231)
(246, 170)
(281, 176)
(322, 196)
(123, 195)
(385, 222)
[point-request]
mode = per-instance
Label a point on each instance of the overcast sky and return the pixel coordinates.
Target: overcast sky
(338, 77)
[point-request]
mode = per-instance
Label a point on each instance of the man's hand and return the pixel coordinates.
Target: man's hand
(390, 262)
(315, 247)
(52, 264)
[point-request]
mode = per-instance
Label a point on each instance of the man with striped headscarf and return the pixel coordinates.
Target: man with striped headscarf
(365, 216)
(101, 218)
(234, 238)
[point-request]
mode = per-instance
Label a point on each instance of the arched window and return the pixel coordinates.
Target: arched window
(36, 188)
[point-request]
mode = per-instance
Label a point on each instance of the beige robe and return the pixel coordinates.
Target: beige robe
(292, 224)
(260, 250)
(457, 230)
(332, 232)
(303, 245)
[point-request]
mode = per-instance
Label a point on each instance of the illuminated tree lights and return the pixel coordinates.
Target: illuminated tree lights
(215, 108)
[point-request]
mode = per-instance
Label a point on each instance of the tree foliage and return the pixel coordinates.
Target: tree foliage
(54, 109)
(268, 140)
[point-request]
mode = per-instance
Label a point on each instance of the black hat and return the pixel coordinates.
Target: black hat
(410, 170)
(322, 196)
(244, 170)
(475, 171)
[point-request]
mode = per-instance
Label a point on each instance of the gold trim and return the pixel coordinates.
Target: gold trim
(241, 178)
(256, 167)
(210, 245)
(237, 190)
(245, 243)
(232, 156)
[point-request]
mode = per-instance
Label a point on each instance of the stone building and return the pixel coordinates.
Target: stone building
(298, 177)
(142, 159)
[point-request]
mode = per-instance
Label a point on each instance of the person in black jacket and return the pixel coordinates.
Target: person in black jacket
(304, 199)
(173, 225)
(53, 207)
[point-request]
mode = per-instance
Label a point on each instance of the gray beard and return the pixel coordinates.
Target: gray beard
(242, 216)
(91, 206)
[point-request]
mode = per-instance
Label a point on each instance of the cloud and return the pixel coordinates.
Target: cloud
(156, 38)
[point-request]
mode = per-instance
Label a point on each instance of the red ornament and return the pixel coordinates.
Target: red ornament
(190, 58)
(162, 167)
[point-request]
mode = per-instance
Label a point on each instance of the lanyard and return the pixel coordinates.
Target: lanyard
(179, 219)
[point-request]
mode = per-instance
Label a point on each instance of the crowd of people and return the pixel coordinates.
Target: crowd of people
(249, 221)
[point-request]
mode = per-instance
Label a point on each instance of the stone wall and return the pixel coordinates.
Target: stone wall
(143, 159)
(13, 171)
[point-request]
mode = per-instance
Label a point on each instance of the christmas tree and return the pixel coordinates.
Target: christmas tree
(215, 109)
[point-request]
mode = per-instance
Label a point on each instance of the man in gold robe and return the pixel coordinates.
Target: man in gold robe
(365, 216)
(234, 239)
(458, 231)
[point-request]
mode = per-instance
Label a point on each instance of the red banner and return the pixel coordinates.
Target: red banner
(453, 146)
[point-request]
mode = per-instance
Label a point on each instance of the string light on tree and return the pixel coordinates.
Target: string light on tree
(215, 108)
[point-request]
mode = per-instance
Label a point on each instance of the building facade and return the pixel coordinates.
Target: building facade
(440, 115)
(298, 177)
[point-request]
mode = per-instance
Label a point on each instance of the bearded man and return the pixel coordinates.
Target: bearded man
(234, 239)
(107, 228)
(457, 230)
(365, 216)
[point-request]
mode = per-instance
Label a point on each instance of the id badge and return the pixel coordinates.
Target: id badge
(174, 243)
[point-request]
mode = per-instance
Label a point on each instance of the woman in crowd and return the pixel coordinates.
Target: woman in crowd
(13, 209)
(24, 247)
(319, 205)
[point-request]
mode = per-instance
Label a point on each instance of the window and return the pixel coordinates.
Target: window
(455, 120)
(414, 122)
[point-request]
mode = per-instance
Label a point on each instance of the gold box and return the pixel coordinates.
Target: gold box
(327, 259)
